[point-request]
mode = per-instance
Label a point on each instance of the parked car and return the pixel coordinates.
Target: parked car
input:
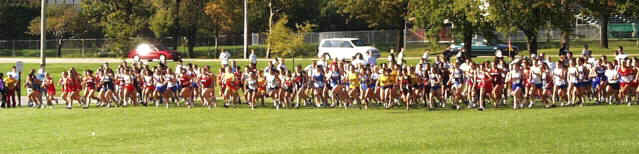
(148, 51)
(483, 48)
(344, 48)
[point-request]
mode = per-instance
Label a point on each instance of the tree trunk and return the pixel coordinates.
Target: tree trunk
(270, 28)
(531, 42)
(399, 42)
(191, 43)
(603, 14)
(468, 41)
(60, 42)
(177, 25)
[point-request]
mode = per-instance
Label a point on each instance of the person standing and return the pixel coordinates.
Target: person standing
(586, 52)
(224, 58)
(370, 58)
(2, 91)
(564, 49)
(253, 59)
(400, 57)
(11, 84)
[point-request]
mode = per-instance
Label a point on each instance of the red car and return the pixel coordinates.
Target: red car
(147, 51)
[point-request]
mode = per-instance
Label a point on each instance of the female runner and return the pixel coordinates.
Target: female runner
(612, 84)
(186, 91)
(514, 77)
(435, 91)
(89, 82)
(319, 86)
(207, 82)
(251, 87)
(354, 87)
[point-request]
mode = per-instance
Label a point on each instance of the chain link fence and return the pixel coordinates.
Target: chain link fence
(210, 46)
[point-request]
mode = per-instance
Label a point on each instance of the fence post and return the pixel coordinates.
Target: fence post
(13, 52)
(82, 47)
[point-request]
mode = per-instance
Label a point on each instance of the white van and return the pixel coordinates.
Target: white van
(344, 48)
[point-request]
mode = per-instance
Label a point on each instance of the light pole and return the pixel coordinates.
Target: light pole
(245, 28)
(43, 34)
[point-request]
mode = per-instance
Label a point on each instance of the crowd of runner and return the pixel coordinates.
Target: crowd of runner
(326, 83)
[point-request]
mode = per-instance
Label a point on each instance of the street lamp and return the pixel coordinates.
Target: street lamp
(245, 28)
(43, 36)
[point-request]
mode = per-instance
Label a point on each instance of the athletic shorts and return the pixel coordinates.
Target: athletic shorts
(516, 86)
(433, 88)
(160, 89)
(614, 85)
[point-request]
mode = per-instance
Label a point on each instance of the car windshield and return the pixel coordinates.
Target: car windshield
(358, 43)
(479, 42)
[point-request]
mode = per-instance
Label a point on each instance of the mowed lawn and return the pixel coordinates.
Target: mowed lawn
(590, 129)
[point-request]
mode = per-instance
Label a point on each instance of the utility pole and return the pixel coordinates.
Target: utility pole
(245, 28)
(43, 34)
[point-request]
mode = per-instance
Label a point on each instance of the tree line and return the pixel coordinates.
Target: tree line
(126, 22)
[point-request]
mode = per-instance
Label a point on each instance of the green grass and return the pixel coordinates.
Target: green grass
(591, 129)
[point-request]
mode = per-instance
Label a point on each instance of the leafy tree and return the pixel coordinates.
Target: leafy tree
(220, 17)
(275, 9)
(286, 42)
(15, 18)
(63, 22)
(525, 15)
(121, 20)
(468, 17)
(379, 13)
(163, 20)
(604, 8)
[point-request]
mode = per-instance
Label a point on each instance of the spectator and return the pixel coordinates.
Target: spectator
(620, 55)
(564, 49)
(253, 57)
(370, 58)
(426, 54)
(586, 52)
(224, 58)
(2, 91)
(282, 65)
(11, 84)
(400, 57)
(13, 73)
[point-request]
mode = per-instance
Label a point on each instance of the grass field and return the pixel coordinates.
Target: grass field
(591, 129)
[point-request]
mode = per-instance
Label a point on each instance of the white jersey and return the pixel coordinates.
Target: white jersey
(558, 77)
(535, 75)
(612, 76)
(572, 74)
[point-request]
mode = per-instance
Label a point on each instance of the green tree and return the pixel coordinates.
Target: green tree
(468, 17)
(63, 22)
(121, 20)
(15, 18)
(379, 13)
(604, 8)
(220, 17)
(525, 15)
(286, 42)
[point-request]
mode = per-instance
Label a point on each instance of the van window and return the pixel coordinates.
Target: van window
(345, 44)
(328, 44)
